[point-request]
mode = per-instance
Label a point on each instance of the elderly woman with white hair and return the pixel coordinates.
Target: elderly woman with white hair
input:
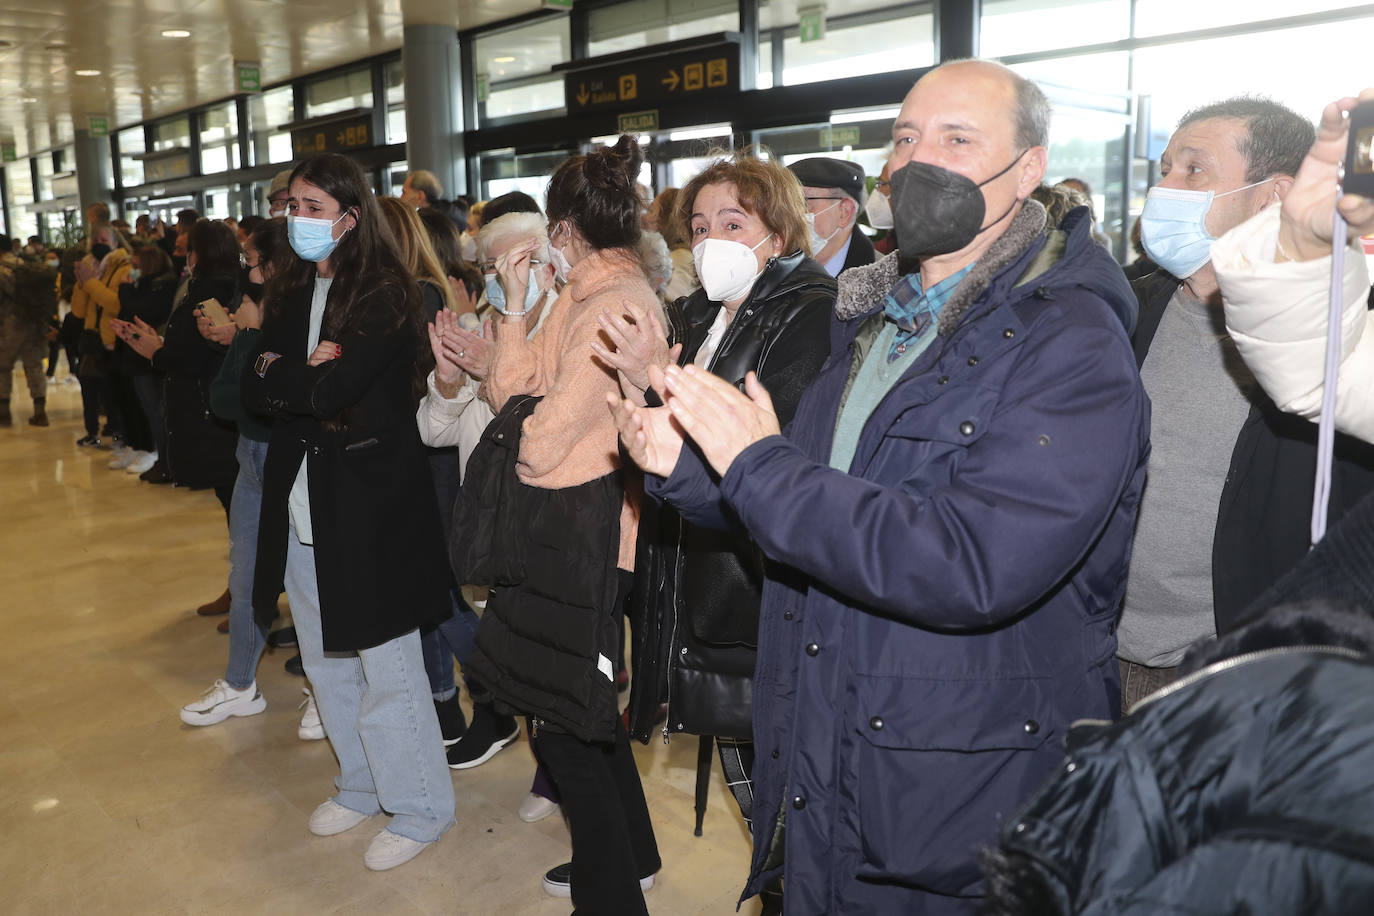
(451, 414)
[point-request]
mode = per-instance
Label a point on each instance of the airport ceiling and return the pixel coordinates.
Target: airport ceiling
(45, 44)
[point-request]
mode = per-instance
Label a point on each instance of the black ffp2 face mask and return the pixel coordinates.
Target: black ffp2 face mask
(99, 250)
(936, 211)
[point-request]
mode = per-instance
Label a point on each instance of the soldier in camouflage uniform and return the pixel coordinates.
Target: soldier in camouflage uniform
(22, 336)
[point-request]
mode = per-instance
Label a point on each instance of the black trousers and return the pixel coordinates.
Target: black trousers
(137, 433)
(612, 836)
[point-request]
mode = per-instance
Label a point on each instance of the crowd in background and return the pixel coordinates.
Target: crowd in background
(885, 480)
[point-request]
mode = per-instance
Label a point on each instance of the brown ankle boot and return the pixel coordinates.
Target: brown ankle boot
(219, 606)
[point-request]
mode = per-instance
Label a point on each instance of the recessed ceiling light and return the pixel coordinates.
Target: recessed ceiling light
(88, 73)
(175, 33)
(28, 100)
(503, 60)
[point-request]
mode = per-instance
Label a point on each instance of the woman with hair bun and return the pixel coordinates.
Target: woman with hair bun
(547, 643)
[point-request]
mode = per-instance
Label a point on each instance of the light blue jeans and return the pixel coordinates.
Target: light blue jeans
(376, 709)
(246, 639)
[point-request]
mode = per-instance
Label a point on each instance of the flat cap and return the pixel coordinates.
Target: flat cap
(280, 181)
(824, 172)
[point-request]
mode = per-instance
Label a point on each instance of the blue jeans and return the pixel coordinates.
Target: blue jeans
(246, 639)
(377, 712)
(148, 387)
(449, 640)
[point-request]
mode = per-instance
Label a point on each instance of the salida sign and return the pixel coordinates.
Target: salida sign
(662, 80)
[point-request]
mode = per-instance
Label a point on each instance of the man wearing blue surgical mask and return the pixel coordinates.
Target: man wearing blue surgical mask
(1229, 491)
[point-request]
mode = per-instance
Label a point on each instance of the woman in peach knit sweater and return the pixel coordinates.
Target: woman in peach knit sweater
(569, 447)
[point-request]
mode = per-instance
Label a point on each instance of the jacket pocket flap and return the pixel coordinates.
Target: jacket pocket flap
(953, 715)
(958, 417)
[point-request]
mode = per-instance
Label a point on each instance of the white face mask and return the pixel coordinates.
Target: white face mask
(561, 267)
(879, 210)
(819, 241)
(727, 270)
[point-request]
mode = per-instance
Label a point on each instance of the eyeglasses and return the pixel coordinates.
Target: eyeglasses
(489, 266)
(809, 199)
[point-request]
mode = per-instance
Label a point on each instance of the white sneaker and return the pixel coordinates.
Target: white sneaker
(311, 728)
(331, 818)
(391, 849)
(142, 462)
(222, 701)
(121, 457)
(535, 808)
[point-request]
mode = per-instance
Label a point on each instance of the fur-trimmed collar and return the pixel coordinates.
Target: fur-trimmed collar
(862, 288)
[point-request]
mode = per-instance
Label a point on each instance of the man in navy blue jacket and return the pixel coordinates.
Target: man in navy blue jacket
(947, 521)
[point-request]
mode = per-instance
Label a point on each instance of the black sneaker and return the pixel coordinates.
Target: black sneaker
(558, 881)
(488, 733)
(89, 441)
(284, 638)
(452, 722)
(293, 666)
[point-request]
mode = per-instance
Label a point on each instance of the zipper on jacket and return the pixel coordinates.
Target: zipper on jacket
(672, 641)
(1235, 661)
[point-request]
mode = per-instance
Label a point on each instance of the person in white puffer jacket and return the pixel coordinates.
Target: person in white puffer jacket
(1275, 273)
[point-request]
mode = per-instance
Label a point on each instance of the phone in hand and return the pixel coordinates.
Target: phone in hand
(211, 309)
(1359, 154)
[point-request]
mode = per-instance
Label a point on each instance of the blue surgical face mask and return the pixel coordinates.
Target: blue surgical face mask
(134, 274)
(496, 293)
(312, 239)
(1173, 227)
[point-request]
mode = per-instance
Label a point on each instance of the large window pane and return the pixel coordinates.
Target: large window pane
(503, 171)
(395, 103)
(267, 113)
(21, 195)
(1088, 73)
(1251, 64)
(172, 134)
(1163, 17)
(526, 99)
(1023, 26)
(339, 93)
(45, 173)
(219, 132)
(130, 145)
(872, 47)
(512, 62)
(633, 25)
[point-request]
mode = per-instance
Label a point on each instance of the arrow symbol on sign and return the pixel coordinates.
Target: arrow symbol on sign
(671, 80)
(582, 94)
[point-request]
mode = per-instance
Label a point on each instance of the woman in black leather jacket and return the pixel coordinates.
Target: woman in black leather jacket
(764, 307)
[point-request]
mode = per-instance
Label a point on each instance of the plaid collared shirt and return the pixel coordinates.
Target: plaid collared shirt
(914, 310)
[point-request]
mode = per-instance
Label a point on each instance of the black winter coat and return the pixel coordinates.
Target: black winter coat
(1245, 788)
(1262, 526)
(548, 638)
(697, 590)
(379, 552)
(200, 446)
(149, 298)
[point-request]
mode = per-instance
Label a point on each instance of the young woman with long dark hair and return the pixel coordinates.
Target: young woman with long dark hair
(348, 514)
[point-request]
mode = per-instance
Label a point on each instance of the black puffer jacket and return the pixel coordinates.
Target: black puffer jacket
(696, 599)
(547, 642)
(149, 298)
(1246, 788)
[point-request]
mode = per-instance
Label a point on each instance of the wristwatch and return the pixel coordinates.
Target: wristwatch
(264, 360)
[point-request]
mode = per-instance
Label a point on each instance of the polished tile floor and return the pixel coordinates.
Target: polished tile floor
(108, 804)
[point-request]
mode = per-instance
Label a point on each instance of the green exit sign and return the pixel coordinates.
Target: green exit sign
(99, 127)
(482, 86)
(248, 76)
(557, 4)
(811, 24)
(7, 153)
(637, 122)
